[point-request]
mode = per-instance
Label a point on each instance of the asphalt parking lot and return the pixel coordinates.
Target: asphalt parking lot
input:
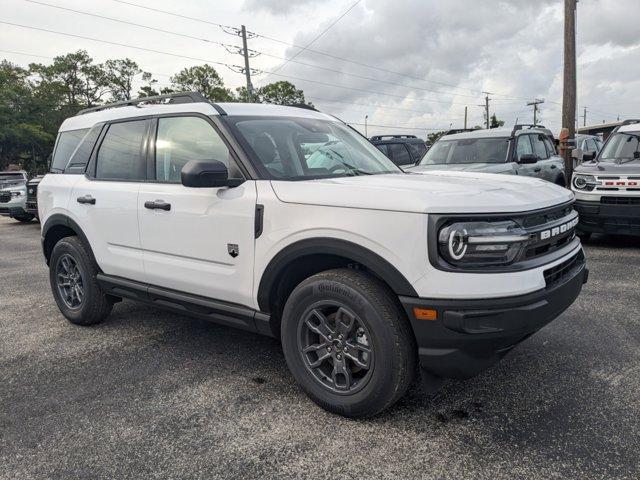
(149, 394)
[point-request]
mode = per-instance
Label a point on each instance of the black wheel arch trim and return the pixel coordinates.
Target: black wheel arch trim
(59, 219)
(336, 247)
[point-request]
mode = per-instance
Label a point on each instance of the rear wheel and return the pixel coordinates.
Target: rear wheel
(72, 274)
(348, 343)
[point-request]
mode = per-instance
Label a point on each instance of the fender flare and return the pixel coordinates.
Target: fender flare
(59, 219)
(335, 247)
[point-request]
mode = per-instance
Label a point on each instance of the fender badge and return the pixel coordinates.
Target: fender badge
(233, 249)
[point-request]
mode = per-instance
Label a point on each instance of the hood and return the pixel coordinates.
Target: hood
(593, 168)
(462, 167)
(432, 192)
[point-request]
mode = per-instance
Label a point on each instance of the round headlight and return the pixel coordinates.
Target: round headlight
(580, 182)
(31, 191)
(457, 244)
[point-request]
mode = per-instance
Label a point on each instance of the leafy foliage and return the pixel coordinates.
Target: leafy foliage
(35, 100)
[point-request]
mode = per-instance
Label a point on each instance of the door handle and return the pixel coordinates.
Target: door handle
(87, 199)
(158, 205)
(537, 169)
(554, 166)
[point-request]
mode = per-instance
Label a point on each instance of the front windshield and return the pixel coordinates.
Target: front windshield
(467, 150)
(292, 148)
(622, 146)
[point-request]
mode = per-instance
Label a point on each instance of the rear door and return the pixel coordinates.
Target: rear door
(104, 202)
(524, 147)
(203, 241)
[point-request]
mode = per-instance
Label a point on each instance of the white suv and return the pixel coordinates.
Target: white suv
(285, 221)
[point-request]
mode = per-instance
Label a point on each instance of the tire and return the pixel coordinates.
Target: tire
(26, 218)
(377, 324)
(94, 306)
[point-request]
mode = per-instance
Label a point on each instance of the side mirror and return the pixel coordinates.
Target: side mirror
(588, 155)
(207, 174)
(528, 158)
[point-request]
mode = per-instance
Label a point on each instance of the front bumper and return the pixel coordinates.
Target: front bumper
(469, 336)
(11, 211)
(597, 217)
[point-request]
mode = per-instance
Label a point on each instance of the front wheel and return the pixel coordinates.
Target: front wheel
(348, 343)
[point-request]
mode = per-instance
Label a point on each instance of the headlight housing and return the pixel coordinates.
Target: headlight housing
(17, 193)
(584, 182)
(481, 243)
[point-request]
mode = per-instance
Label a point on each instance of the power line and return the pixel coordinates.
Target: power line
(397, 126)
(317, 36)
(335, 57)
(241, 50)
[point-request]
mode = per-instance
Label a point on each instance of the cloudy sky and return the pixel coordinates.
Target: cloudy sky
(409, 64)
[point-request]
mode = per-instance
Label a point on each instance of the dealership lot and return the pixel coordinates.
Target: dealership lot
(150, 394)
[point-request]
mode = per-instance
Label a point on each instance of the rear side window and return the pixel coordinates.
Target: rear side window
(383, 149)
(399, 154)
(65, 146)
(120, 156)
(181, 139)
(418, 150)
(82, 154)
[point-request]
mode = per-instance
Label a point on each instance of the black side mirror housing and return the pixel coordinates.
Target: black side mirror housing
(207, 174)
(589, 155)
(528, 158)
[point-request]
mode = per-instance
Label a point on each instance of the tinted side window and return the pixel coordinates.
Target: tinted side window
(65, 146)
(523, 147)
(399, 154)
(181, 139)
(550, 148)
(383, 148)
(538, 146)
(418, 150)
(120, 155)
(81, 156)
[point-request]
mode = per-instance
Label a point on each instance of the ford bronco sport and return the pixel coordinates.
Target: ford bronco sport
(607, 188)
(362, 270)
(523, 150)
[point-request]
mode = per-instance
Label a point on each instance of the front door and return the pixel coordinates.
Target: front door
(196, 240)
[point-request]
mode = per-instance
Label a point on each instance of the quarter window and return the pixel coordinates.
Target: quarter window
(120, 155)
(181, 139)
(65, 146)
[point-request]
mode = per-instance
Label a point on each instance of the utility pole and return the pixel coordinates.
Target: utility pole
(535, 104)
(569, 84)
(584, 117)
(247, 70)
(486, 107)
(465, 117)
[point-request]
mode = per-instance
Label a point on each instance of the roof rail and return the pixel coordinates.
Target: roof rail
(181, 97)
(522, 126)
(630, 121)
(304, 106)
(380, 137)
(453, 131)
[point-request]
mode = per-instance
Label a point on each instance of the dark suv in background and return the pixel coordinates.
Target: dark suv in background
(401, 149)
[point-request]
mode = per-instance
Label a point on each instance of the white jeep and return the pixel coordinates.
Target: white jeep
(287, 222)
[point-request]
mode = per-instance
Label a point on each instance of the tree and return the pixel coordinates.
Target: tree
(203, 79)
(76, 76)
(494, 122)
(242, 95)
(433, 137)
(119, 75)
(282, 93)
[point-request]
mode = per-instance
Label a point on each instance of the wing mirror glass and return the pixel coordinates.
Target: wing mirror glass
(207, 174)
(528, 158)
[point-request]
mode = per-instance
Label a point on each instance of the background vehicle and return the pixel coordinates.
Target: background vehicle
(13, 196)
(523, 150)
(32, 195)
(286, 222)
(589, 146)
(402, 149)
(607, 189)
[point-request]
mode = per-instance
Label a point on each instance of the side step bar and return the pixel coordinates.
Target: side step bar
(217, 311)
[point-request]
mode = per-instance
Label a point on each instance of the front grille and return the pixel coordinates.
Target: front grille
(546, 217)
(32, 193)
(557, 274)
(5, 197)
(620, 200)
(549, 231)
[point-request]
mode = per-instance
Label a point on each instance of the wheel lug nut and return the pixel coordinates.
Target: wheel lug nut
(338, 356)
(339, 337)
(328, 349)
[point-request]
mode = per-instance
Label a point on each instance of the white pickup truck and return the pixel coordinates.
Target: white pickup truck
(287, 222)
